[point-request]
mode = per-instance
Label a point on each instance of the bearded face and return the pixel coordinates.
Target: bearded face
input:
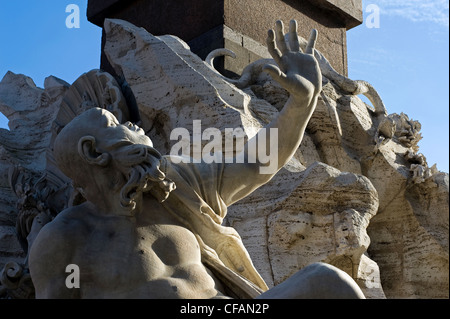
(95, 139)
(143, 168)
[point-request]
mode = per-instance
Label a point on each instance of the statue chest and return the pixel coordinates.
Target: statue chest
(139, 259)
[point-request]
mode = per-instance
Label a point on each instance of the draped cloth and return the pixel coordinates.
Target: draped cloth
(197, 203)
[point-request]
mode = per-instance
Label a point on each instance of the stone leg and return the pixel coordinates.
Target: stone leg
(316, 281)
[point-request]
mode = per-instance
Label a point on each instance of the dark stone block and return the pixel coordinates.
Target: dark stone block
(201, 23)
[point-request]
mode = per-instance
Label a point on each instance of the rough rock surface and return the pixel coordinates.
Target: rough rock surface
(31, 112)
(357, 193)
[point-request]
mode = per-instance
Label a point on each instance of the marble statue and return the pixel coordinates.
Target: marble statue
(151, 225)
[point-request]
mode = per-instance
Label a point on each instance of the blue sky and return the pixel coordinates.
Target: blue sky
(406, 59)
(36, 42)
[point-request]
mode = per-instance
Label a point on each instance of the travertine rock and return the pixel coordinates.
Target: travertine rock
(213, 98)
(31, 112)
(356, 194)
(319, 214)
(23, 149)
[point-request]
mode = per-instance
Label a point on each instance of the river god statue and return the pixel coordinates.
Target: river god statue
(151, 225)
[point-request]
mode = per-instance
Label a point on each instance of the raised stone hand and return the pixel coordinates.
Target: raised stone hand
(298, 72)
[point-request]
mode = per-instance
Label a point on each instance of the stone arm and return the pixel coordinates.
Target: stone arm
(299, 73)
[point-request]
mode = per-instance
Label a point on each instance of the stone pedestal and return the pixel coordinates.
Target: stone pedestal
(240, 26)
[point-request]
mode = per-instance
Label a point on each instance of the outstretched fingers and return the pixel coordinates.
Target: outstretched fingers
(272, 47)
(281, 43)
(311, 42)
(293, 36)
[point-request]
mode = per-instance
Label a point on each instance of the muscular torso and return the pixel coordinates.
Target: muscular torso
(147, 256)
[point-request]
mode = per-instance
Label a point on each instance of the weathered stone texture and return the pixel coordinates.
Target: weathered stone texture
(31, 111)
(356, 194)
(204, 24)
(342, 133)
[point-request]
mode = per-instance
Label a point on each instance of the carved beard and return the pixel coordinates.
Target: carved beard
(142, 165)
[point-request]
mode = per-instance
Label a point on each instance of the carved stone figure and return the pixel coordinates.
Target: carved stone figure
(151, 224)
(356, 194)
